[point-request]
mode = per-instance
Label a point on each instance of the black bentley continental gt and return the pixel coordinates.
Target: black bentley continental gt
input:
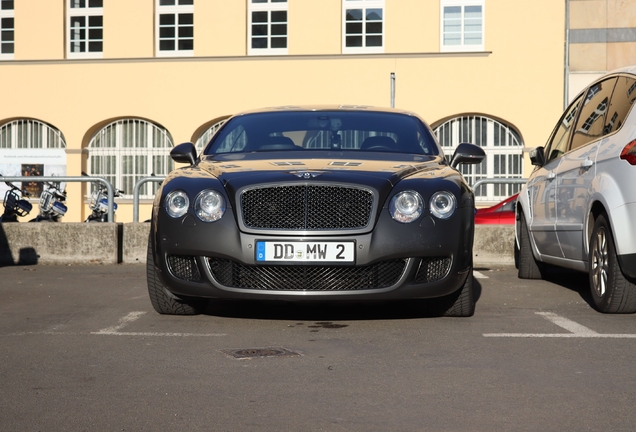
(315, 204)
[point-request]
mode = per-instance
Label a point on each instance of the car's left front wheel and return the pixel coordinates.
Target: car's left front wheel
(163, 301)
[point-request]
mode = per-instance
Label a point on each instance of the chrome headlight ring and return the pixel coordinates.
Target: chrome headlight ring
(176, 203)
(209, 205)
(406, 206)
(443, 204)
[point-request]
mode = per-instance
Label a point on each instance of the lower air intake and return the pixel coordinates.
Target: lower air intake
(184, 267)
(307, 278)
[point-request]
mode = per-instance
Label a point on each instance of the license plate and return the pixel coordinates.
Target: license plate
(290, 251)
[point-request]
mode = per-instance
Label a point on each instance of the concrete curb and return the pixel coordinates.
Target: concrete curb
(59, 243)
(111, 243)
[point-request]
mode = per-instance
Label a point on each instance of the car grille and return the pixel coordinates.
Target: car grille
(184, 267)
(433, 269)
(306, 207)
(307, 278)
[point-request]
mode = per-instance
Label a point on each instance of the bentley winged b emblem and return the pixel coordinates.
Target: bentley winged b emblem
(307, 174)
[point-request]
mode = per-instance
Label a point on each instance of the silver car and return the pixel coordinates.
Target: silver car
(578, 209)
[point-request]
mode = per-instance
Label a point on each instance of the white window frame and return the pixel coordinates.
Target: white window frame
(364, 5)
(172, 10)
(147, 144)
(508, 150)
(85, 12)
(6, 14)
(267, 6)
(462, 46)
(30, 134)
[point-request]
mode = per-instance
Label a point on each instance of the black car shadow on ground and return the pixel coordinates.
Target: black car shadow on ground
(573, 280)
(327, 312)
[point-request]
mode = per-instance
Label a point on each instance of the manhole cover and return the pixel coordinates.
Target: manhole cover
(260, 352)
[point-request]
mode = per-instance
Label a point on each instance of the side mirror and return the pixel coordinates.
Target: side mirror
(184, 153)
(537, 156)
(467, 154)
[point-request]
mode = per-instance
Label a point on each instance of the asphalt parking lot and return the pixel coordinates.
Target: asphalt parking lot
(83, 350)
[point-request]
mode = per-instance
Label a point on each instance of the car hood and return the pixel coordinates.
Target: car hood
(236, 171)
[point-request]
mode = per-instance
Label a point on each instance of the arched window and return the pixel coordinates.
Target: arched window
(30, 134)
(503, 146)
(127, 150)
(205, 137)
(30, 147)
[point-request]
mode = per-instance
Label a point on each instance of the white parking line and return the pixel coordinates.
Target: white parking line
(567, 324)
(115, 330)
(133, 316)
(160, 334)
(576, 330)
(479, 275)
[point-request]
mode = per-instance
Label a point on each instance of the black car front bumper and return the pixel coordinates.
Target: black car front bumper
(425, 259)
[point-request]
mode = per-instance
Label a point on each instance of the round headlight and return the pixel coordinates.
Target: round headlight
(443, 204)
(209, 206)
(177, 203)
(406, 206)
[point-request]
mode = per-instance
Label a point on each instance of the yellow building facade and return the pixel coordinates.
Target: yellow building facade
(108, 86)
(601, 38)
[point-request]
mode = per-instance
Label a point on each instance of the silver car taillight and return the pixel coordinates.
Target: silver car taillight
(629, 153)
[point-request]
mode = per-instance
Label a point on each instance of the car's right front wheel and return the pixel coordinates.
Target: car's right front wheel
(611, 291)
(162, 300)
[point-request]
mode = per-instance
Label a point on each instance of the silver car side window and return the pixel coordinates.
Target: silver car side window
(561, 136)
(591, 122)
(621, 103)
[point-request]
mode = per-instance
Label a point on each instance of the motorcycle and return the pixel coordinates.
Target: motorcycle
(52, 206)
(14, 204)
(98, 203)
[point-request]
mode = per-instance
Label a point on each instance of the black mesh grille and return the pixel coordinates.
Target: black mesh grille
(305, 207)
(307, 278)
(433, 269)
(184, 267)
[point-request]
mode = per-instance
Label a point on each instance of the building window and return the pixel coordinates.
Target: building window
(462, 25)
(30, 134)
(267, 27)
(501, 143)
(85, 23)
(127, 150)
(7, 30)
(175, 28)
(363, 27)
(31, 148)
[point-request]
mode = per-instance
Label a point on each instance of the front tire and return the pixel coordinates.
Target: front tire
(528, 266)
(461, 303)
(163, 301)
(612, 293)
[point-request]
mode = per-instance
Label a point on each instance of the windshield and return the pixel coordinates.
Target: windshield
(324, 130)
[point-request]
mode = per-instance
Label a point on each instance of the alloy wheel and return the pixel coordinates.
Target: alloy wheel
(600, 262)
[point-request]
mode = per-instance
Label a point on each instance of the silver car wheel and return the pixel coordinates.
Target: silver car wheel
(600, 262)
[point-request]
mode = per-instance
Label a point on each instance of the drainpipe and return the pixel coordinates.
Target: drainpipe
(392, 89)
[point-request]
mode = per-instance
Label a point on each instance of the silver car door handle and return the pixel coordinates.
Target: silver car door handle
(587, 163)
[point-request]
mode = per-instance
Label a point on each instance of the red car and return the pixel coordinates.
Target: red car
(501, 213)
